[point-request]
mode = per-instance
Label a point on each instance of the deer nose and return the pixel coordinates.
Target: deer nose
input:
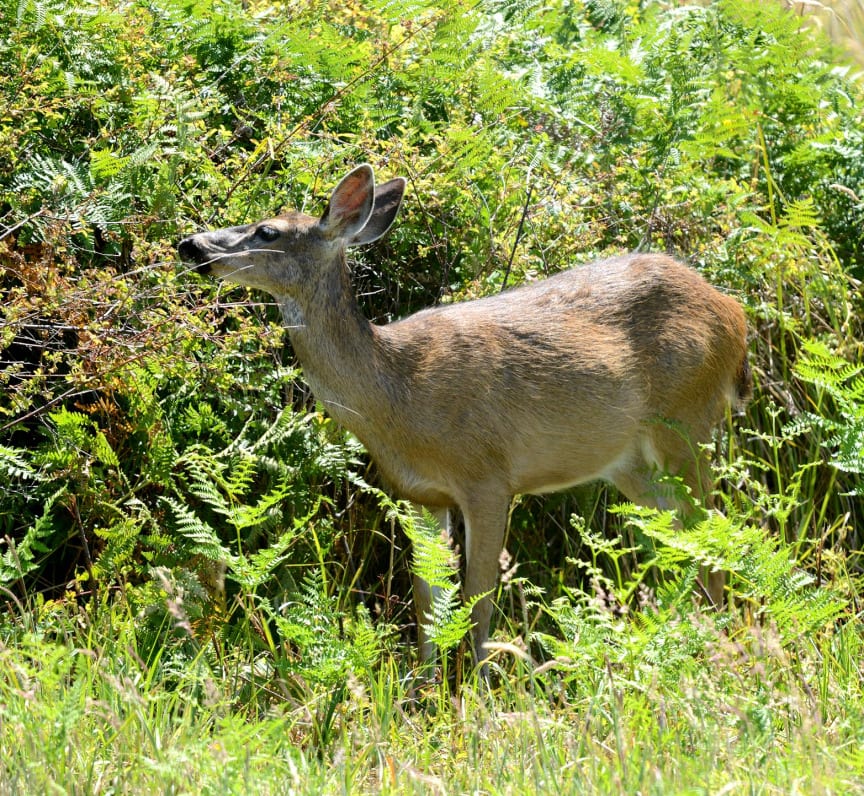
(191, 252)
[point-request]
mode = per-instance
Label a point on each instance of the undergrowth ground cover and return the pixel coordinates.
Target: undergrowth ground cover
(205, 589)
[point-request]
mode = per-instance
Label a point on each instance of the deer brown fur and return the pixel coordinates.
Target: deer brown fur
(616, 370)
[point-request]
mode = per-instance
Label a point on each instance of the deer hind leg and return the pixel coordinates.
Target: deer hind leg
(687, 458)
(668, 451)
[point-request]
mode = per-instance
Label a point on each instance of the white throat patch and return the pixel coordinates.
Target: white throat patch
(292, 315)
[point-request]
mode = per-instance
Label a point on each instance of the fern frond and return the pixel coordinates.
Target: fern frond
(251, 571)
(244, 517)
(283, 427)
(763, 568)
(844, 382)
(22, 557)
(204, 540)
(450, 618)
(239, 476)
(316, 628)
(203, 470)
(103, 451)
(432, 557)
(801, 214)
(13, 464)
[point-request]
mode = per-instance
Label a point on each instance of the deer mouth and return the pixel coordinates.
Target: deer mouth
(191, 252)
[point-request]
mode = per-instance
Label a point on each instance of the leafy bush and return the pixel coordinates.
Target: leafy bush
(156, 440)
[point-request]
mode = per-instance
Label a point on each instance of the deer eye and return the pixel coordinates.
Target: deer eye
(267, 233)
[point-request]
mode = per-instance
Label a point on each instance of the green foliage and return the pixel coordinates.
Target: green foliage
(23, 557)
(434, 562)
(769, 589)
(433, 556)
(843, 382)
(763, 570)
(326, 648)
(177, 519)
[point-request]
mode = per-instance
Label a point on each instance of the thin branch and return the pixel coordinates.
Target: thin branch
(518, 235)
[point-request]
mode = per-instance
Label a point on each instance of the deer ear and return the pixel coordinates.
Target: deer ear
(350, 205)
(388, 199)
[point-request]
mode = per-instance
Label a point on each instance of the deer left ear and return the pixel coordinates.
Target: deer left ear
(388, 200)
(350, 205)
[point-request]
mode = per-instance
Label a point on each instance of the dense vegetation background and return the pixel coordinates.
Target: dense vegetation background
(155, 431)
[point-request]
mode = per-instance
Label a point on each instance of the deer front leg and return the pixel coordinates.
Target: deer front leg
(485, 527)
(424, 594)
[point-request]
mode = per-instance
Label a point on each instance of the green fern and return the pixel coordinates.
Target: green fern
(251, 571)
(323, 642)
(200, 537)
(226, 486)
(263, 513)
(763, 568)
(607, 555)
(843, 381)
(205, 474)
(75, 194)
(76, 442)
(432, 556)
(450, 618)
(71, 437)
(433, 562)
(283, 428)
(239, 476)
(117, 557)
(14, 465)
(23, 557)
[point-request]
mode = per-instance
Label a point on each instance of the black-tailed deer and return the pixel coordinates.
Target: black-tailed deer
(617, 370)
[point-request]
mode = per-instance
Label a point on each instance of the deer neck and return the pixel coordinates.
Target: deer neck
(338, 348)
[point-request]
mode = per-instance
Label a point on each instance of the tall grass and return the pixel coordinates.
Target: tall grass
(842, 20)
(698, 709)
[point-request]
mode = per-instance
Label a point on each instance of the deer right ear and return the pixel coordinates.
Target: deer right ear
(351, 204)
(388, 198)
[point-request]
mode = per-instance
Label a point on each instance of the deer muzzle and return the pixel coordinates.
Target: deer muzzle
(190, 251)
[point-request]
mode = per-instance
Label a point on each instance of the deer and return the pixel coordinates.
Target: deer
(617, 370)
